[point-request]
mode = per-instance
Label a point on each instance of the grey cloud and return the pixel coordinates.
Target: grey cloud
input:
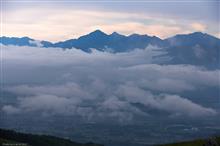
(9, 109)
(101, 103)
(101, 84)
(171, 103)
(36, 43)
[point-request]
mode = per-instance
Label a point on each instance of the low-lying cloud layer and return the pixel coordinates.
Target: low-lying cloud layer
(52, 81)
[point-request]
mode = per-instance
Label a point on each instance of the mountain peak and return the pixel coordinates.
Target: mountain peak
(191, 34)
(134, 35)
(98, 32)
(201, 34)
(94, 35)
(198, 32)
(115, 34)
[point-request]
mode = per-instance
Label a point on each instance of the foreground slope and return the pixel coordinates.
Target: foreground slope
(8, 137)
(200, 142)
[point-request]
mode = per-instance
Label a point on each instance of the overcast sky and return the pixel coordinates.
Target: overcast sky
(56, 20)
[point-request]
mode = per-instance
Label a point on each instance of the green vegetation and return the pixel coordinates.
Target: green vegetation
(9, 137)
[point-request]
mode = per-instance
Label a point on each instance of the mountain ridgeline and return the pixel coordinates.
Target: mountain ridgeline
(196, 48)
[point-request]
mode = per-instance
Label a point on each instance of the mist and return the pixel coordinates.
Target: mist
(100, 85)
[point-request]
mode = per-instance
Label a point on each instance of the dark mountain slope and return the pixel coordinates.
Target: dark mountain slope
(116, 42)
(195, 48)
(97, 39)
(24, 41)
(9, 137)
(199, 142)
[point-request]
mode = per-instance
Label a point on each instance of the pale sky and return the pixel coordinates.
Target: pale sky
(57, 20)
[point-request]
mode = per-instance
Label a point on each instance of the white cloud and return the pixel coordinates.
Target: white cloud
(198, 26)
(36, 43)
(171, 103)
(101, 84)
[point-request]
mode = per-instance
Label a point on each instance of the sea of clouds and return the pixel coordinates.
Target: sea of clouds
(53, 81)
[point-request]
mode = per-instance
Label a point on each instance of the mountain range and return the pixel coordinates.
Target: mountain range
(195, 48)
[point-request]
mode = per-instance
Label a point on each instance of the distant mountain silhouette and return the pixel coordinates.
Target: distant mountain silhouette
(115, 41)
(195, 48)
(97, 39)
(23, 41)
